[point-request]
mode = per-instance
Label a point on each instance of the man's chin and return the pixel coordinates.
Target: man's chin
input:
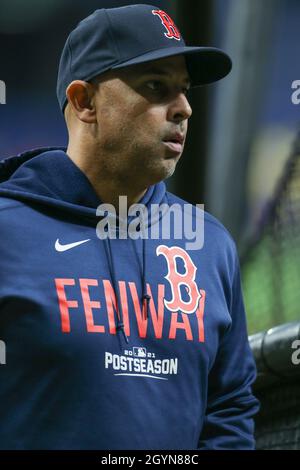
(166, 170)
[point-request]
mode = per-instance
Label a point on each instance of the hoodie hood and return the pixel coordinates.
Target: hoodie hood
(39, 177)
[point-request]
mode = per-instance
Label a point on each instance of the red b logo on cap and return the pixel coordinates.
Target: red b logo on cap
(172, 30)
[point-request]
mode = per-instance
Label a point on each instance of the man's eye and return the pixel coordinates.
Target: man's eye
(159, 87)
(155, 85)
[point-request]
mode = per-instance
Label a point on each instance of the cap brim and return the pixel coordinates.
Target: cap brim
(205, 64)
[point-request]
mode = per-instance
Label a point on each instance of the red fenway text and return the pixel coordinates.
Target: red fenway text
(91, 307)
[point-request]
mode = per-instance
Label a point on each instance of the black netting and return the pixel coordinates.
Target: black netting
(278, 422)
(271, 263)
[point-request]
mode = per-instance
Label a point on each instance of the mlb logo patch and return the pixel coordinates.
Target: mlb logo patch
(139, 352)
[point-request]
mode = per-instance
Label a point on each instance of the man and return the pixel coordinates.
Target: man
(119, 343)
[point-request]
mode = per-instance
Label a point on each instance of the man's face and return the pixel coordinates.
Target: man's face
(142, 118)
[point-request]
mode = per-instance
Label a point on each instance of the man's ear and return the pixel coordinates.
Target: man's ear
(80, 96)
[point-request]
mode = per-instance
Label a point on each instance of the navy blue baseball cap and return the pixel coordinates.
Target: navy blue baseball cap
(120, 37)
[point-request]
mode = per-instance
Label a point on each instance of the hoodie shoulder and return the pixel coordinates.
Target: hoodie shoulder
(7, 203)
(9, 165)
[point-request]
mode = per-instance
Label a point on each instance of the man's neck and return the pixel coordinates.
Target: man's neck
(107, 188)
(109, 193)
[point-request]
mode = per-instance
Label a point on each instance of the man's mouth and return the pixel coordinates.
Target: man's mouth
(175, 142)
(174, 146)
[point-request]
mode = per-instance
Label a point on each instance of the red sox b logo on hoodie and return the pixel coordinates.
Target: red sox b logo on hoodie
(177, 279)
(172, 30)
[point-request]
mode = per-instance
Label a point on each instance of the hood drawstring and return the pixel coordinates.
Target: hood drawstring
(120, 324)
(145, 297)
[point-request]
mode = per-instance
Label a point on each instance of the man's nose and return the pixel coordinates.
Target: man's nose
(179, 108)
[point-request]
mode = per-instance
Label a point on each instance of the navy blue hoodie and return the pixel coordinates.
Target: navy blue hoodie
(114, 344)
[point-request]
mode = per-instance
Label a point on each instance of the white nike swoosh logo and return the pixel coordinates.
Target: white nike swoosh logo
(69, 246)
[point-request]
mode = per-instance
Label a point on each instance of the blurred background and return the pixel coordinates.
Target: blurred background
(241, 159)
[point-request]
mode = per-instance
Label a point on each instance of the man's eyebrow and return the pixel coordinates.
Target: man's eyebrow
(159, 71)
